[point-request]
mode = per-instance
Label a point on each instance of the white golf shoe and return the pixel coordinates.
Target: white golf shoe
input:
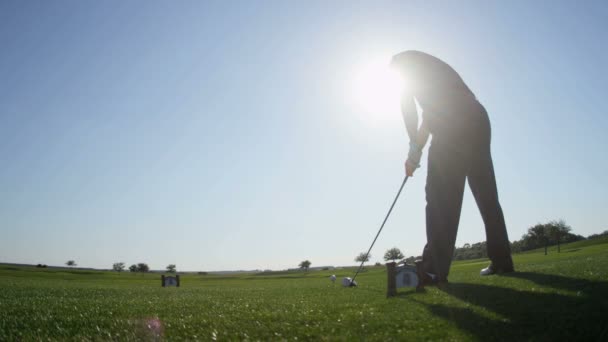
(491, 269)
(487, 271)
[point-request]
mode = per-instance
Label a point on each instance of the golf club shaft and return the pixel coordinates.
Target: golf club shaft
(380, 230)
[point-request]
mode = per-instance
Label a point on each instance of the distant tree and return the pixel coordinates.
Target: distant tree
(557, 230)
(467, 251)
(363, 257)
(410, 260)
(171, 268)
(517, 246)
(133, 268)
(378, 263)
(544, 235)
(537, 236)
(393, 254)
(71, 263)
(305, 265)
(118, 266)
(143, 267)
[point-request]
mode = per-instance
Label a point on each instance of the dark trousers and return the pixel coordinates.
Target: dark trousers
(461, 151)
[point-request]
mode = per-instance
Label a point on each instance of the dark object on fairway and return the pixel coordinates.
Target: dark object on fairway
(169, 280)
(399, 276)
(381, 226)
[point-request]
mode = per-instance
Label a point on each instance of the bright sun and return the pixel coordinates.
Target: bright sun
(376, 90)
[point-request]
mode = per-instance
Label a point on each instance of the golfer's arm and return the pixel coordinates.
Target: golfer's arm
(423, 135)
(410, 116)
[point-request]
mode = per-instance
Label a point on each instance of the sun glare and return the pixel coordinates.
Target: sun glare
(376, 90)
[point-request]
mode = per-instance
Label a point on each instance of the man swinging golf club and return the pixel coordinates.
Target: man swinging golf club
(460, 150)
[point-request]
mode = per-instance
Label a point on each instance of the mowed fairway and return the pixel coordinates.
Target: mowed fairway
(556, 297)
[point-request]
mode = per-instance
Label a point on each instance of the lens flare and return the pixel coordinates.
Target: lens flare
(376, 90)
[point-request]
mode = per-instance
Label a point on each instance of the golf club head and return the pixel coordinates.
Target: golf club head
(348, 282)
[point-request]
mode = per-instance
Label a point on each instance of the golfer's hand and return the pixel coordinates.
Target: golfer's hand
(413, 159)
(410, 168)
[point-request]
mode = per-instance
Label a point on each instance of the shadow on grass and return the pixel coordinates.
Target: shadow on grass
(374, 290)
(583, 286)
(408, 292)
(532, 315)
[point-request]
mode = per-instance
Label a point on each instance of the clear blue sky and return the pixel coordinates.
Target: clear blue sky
(225, 135)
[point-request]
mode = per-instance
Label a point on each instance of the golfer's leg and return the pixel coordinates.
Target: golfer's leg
(482, 182)
(444, 191)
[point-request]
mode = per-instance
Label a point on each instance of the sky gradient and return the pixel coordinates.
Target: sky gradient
(227, 135)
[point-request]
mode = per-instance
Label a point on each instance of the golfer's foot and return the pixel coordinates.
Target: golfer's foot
(491, 269)
(427, 278)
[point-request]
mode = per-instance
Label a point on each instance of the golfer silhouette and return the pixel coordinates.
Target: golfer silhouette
(459, 151)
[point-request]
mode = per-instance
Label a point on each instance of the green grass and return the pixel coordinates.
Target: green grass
(555, 297)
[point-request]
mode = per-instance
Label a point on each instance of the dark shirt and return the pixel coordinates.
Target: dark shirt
(446, 101)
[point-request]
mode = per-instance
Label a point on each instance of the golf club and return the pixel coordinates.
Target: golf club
(352, 282)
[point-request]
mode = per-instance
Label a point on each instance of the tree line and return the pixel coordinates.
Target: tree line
(541, 235)
(120, 267)
(140, 267)
(390, 254)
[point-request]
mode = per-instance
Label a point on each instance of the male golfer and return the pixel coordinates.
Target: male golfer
(460, 150)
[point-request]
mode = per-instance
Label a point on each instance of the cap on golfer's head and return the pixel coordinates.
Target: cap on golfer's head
(411, 65)
(421, 68)
(403, 59)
